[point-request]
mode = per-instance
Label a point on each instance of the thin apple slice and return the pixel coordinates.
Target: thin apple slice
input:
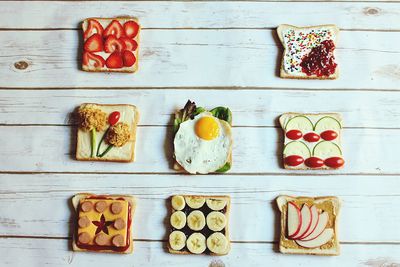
(322, 239)
(315, 220)
(323, 221)
(294, 219)
(306, 219)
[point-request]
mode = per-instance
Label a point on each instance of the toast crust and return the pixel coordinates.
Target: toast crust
(132, 138)
(302, 76)
(331, 204)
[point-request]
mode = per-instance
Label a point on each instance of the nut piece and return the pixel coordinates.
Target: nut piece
(86, 206)
(116, 207)
(101, 239)
(83, 222)
(84, 238)
(118, 241)
(101, 206)
(118, 134)
(119, 224)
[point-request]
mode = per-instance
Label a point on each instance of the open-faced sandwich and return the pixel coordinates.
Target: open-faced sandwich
(203, 139)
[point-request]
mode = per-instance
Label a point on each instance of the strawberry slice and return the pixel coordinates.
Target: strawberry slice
(131, 29)
(114, 28)
(90, 59)
(128, 58)
(94, 43)
(114, 61)
(129, 43)
(113, 44)
(93, 27)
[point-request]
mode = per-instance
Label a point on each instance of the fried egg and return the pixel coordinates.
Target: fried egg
(203, 145)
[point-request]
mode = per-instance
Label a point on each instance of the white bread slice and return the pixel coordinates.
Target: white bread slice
(75, 203)
(104, 22)
(332, 205)
(314, 117)
(298, 74)
(126, 153)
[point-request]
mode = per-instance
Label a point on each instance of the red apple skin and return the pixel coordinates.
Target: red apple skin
(308, 226)
(305, 236)
(300, 219)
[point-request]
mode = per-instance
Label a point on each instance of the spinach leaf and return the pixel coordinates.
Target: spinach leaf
(188, 112)
(222, 113)
(224, 168)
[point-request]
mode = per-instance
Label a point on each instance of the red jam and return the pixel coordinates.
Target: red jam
(320, 61)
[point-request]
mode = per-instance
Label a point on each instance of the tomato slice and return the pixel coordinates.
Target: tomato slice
(329, 135)
(314, 162)
(114, 118)
(294, 160)
(294, 134)
(311, 137)
(334, 162)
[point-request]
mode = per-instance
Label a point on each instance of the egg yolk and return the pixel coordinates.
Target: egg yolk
(207, 128)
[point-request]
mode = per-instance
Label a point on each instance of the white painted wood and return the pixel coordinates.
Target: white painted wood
(47, 252)
(196, 58)
(39, 205)
(168, 14)
(255, 108)
(255, 150)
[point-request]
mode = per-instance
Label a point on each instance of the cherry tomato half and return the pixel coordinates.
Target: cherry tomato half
(294, 134)
(311, 137)
(334, 162)
(114, 118)
(294, 160)
(314, 162)
(329, 135)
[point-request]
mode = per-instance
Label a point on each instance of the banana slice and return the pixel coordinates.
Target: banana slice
(196, 243)
(178, 202)
(196, 220)
(195, 202)
(177, 240)
(178, 219)
(216, 221)
(216, 203)
(218, 243)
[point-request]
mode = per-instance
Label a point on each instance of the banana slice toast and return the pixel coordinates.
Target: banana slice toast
(309, 225)
(199, 225)
(103, 223)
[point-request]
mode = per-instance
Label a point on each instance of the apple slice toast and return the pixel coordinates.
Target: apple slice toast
(309, 225)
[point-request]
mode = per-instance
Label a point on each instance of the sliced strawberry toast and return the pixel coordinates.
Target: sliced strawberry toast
(110, 44)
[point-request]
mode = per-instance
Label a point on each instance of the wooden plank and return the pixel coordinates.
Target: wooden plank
(195, 58)
(255, 150)
(48, 252)
(255, 108)
(38, 205)
(183, 14)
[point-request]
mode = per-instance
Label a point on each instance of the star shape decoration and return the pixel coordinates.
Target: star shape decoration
(102, 225)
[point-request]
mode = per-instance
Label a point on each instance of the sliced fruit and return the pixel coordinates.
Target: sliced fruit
(195, 202)
(178, 202)
(326, 149)
(114, 61)
(334, 162)
(322, 222)
(130, 44)
(311, 137)
(294, 219)
(218, 243)
(196, 243)
(177, 240)
(113, 44)
(301, 123)
(94, 43)
(322, 239)
(329, 135)
(93, 27)
(327, 123)
(178, 219)
(314, 162)
(90, 59)
(128, 58)
(216, 203)
(294, 160)
(216, 221)
(114, 28)
(196, 220)
(294, 134)
(306, 220)
(296, 148)
(131, 29)
(315, 219)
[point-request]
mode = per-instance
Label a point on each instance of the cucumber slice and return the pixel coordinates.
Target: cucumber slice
(327, 123)
(326, 149)
(301, 123)
(297, 148)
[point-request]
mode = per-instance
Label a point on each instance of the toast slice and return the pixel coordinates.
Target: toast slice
(312, 141)
(202, 219)
(103, 223)
(111, 44)
(298, 44)
(316, 233)
(97, 115)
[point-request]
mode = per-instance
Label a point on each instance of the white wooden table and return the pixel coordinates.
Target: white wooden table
(215, 53)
